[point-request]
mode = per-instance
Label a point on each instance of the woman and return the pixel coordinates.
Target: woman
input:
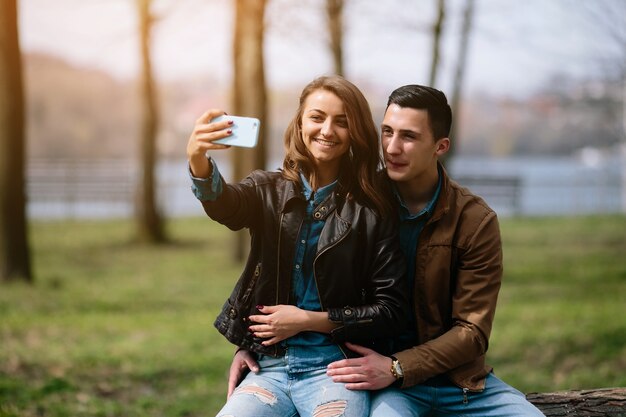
(324, 266)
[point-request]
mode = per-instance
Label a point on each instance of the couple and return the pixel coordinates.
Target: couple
(358, 281)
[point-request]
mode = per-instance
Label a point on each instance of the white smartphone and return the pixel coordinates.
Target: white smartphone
(245, 131)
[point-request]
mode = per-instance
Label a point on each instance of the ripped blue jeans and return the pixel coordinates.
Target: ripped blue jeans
(277, 392)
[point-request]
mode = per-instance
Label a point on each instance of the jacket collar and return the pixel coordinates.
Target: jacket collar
(443, 203)
(293, 193)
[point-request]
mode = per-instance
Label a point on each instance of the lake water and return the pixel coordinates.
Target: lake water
(556, 186)
(547, 186)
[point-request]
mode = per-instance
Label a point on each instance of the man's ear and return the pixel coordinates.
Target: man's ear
(442, 146)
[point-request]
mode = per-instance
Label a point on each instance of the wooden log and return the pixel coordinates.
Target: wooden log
(606, 402)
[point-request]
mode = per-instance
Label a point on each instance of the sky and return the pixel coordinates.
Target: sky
(516, 47)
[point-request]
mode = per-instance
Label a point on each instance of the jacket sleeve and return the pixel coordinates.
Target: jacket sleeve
(474, 296)
(238, 205)
(386, 304)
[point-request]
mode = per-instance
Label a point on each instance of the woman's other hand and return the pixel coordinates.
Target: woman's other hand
(280, 322)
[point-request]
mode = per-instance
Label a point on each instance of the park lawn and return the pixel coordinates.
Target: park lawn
(561, 321)
(112, 328)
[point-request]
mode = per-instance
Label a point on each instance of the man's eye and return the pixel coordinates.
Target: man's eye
(387, 132)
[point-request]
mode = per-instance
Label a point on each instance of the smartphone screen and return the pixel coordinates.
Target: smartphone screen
(245, 131)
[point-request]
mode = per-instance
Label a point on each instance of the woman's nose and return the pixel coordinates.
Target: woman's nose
(327, 128)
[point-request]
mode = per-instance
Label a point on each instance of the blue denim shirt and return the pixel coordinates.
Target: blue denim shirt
(307, 350)
(207, 189)
(411, 226)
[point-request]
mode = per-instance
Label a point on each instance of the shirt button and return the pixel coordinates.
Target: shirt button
(347, 312)
(297, 266)
(303, 241)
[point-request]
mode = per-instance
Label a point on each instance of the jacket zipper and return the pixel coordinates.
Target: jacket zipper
(317, 286)
(280, 233)
(252, 284)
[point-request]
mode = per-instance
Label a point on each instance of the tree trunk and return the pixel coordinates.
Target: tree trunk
(334, 13)
(437, 30)
(150, 227)
(14, 251)
(609, 402)
(468, 17)
(249, 92)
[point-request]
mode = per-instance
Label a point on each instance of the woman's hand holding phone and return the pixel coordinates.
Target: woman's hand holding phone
(202, 139)
(215, 130)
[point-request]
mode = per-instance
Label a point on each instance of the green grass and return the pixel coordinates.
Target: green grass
(112, 328)
(561, 319)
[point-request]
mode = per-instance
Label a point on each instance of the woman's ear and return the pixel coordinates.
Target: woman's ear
(442, 146)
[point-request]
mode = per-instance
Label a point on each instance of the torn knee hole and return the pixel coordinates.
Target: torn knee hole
(262, 394)
(331, 409)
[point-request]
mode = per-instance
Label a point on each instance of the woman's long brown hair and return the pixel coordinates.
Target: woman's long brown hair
(359, 165)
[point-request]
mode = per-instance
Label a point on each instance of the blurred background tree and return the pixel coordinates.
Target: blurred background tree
(14, 249)
(437, 34)
(456, 98)
(334, 16)
(149, 219)
(249, 93)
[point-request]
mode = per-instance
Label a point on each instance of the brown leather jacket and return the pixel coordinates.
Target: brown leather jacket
(457, 280)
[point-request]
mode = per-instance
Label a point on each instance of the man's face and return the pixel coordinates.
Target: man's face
(408, 144)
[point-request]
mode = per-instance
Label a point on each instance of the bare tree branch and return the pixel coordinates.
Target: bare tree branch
(334, 13)
(437, 29)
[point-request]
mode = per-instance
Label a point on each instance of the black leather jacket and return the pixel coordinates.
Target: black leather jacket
(358, 268)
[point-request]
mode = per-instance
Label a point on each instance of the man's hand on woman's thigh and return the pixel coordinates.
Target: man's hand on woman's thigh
(372, 371)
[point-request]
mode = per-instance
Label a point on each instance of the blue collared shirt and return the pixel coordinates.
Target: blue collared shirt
(308, 350)
(207, 189)
(411, 226)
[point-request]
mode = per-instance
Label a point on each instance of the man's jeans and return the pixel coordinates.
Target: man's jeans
(276, 392)
(446, 399)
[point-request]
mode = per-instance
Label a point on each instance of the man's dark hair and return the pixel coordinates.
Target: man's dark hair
(421, 97)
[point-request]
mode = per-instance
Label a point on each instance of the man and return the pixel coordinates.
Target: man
(451, 239)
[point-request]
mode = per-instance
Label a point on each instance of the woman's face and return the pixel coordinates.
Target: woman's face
(325, 129)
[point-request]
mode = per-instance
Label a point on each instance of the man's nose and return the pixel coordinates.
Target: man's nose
(392, 145)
